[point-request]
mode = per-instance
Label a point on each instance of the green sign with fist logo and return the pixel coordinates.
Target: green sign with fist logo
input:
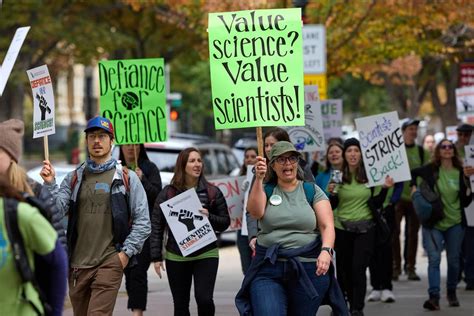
(133, 97)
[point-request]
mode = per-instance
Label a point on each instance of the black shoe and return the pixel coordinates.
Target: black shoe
(432, 304)
(413, 276)
(453, 299)
(357, 313)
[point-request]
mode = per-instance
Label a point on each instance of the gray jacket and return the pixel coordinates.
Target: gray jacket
(136, 234)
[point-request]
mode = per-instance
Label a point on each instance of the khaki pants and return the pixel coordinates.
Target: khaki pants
(95, 290)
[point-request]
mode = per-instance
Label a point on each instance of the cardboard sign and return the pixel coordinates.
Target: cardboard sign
(383, 148)
(12, 54)
(133, 97)
(43, 101)
(320, 80)
(314, 48)
(191, 229)
(469, 161)
(246, 188)
(465, 101)
(234, 196)
(331, 111)
(256, 60)
(310, 137)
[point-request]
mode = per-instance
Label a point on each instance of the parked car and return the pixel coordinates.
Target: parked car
(219, 160)
(242, 144)
(61, 171)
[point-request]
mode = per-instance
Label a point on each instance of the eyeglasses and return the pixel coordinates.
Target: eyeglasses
(291, 159)
(101, 136)
(447, 147)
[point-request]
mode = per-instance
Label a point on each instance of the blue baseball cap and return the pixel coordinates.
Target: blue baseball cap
(100, 122)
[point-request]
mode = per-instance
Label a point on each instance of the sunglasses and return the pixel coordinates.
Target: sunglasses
(283, 160)
(447, 147)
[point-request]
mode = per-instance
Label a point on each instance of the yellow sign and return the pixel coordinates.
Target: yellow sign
(321, 81)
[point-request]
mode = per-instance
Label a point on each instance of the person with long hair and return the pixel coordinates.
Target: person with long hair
(296, 236)
(39, 239)
(445, 176)
(334, 161)
(202, 264)
(136, 280)
(355, 226)
(250, 158)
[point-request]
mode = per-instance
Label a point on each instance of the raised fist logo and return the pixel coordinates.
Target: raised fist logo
(130, 100)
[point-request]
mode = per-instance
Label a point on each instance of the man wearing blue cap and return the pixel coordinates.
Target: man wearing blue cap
(108, 221)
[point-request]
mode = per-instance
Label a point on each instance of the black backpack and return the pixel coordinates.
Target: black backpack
(19, 252)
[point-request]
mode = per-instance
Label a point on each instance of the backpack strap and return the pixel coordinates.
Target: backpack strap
(309, 191)
(126, 178)
(19, 255)
(74, 180)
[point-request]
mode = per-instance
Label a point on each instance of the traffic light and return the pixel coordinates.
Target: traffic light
(174, 114)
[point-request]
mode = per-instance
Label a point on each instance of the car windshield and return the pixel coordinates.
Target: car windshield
(164, 159)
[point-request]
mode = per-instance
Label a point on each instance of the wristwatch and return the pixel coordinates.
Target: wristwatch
(329, 250)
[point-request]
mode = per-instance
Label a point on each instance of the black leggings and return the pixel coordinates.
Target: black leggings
(180, 275)
(136, 280)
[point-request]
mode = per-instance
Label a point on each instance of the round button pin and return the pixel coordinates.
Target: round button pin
(275, 200)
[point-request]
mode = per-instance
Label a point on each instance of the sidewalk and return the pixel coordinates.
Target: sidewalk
(410, 294)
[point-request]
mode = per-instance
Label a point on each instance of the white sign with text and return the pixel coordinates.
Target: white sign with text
(12, 54)
(465, 101)
(469, 161)
(310, 137)
(43, 101)
(383, 148)
(246, 187)
(233, 193)
(331, 111)
(314, 48)
(191, 229)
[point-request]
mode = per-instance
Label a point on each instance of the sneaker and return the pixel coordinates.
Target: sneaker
(432, 304)
(453, 299)
(357, 313)
(413, 276)
(374, 296)
(387, 296)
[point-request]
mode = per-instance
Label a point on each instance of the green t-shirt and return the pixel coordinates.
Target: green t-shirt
(353, 206)
(38, 236)
(448, 184)
(414, 161)
(94, 225)
(292, 224)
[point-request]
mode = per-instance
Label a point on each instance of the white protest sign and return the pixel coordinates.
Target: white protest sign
(310, 137)
(469, 161)
(383, 149)
(465, 101)
(43, 101)
(231, 188)
(314, 48)
(246, 188)
(331, 111)
(191, 229)
(12, 54)
(451, 133)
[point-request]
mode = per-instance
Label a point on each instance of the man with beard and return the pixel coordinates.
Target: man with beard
(108, 221)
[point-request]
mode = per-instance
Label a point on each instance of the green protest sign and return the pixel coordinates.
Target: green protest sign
(133, 97)
(256, 60)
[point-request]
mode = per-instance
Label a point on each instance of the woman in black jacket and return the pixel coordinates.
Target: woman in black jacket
(136, 280)
(445, 176)
(202, 264)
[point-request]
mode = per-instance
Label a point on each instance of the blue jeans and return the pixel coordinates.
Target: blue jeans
(433, 241)
(275, 293)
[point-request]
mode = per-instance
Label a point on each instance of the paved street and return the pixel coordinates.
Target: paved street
(410, 295)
